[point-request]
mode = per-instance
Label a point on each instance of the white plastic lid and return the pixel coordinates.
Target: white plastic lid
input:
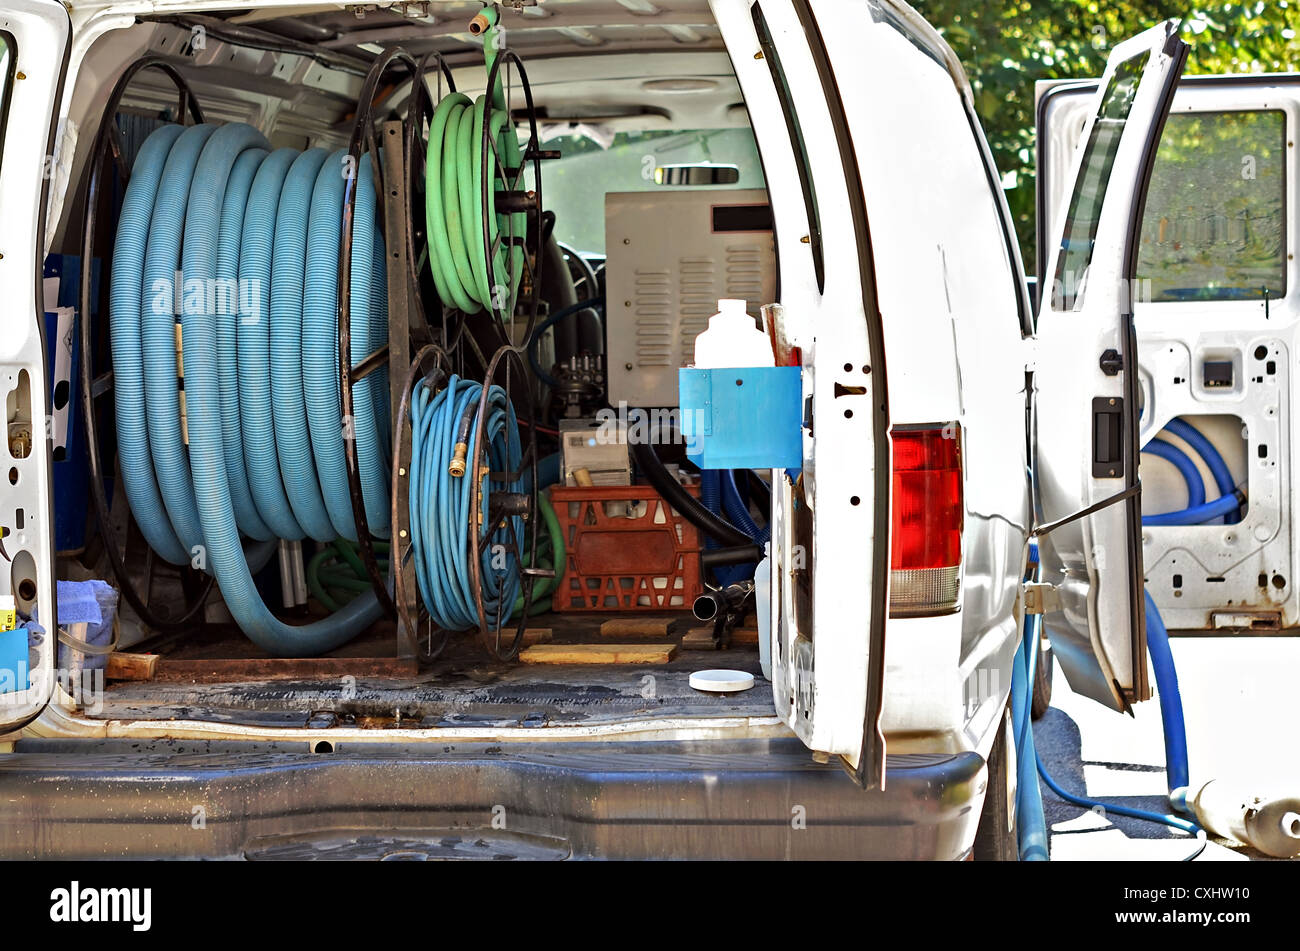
(721, 681)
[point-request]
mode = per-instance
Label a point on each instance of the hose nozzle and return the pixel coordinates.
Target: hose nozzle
(457, 465)
(484, 20)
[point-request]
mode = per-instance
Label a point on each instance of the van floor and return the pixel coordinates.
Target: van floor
(462, 687)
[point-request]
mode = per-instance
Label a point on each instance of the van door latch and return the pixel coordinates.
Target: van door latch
(1039, 598)
(1111, 362)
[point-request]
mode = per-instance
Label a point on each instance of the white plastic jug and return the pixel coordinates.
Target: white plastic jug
(763, 608)
(732, 340)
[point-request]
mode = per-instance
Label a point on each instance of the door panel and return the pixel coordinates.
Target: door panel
(35, 35)
(828, 635)
(1086, 394)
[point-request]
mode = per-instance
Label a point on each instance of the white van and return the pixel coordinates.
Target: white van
(929, 391)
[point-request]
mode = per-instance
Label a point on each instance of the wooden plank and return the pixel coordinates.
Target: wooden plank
(598, 654)
(636, 627)
(537, 635)
(284, 668)
(123, 666)
(699, 639)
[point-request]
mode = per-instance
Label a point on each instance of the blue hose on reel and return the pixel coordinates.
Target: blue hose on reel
(440, 502)
(248, 442)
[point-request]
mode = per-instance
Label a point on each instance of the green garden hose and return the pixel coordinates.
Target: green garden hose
(453, 192)
(336, 574)
(545, 587)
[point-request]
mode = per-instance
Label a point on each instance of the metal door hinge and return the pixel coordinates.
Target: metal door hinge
(1039, 598)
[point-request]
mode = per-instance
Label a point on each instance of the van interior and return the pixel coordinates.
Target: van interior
(633, 134)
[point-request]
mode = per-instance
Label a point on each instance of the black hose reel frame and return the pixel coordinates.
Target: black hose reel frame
(433, 364)
(490, 628)
(93, 388)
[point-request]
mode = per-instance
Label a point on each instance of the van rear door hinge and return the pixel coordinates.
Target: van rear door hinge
(1039, 598)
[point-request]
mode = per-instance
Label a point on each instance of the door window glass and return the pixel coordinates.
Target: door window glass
(1094, 175)
(1215, 221)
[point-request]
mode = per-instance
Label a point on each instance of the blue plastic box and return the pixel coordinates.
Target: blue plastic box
(13, 661)
(742, 418)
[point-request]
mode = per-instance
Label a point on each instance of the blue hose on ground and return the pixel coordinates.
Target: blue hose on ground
(440, 503)
(249, 444)
(1171, 705)
(1031, 824)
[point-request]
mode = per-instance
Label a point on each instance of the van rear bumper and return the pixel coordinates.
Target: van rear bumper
(718, 799)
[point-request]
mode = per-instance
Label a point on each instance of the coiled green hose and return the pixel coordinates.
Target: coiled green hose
(248, 442)
(454, 209)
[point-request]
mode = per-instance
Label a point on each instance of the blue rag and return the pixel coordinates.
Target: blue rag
(93, 603)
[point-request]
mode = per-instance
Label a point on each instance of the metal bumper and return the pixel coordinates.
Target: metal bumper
(735, 799)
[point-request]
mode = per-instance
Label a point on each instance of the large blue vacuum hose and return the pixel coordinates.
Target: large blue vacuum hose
(1171, 706)
(250, 443)
(1031, 824)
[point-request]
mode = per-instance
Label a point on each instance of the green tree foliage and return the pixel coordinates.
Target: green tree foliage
(1008, 46)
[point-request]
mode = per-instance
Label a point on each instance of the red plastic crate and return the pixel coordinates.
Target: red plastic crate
(647, 560)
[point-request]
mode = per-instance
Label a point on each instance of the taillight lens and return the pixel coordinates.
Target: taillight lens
(925, 552)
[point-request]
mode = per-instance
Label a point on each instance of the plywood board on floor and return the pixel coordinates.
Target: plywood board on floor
(598, 653)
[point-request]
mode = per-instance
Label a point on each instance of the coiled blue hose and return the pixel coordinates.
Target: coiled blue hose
(440, 503)
(1218, 468)
(1227, 506)
(248, 440)
(1183, 463)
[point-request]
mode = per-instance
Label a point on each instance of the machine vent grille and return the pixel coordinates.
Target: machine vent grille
(653, 307)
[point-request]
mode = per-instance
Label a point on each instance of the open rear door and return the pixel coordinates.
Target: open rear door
(34, 36)
(1085, 433)
(830, 527)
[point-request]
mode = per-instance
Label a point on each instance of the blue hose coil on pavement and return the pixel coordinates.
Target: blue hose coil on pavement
(247, 441)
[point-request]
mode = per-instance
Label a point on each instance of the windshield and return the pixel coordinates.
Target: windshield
(574, 186)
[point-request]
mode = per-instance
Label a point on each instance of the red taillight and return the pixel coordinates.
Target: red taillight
(925, 552)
